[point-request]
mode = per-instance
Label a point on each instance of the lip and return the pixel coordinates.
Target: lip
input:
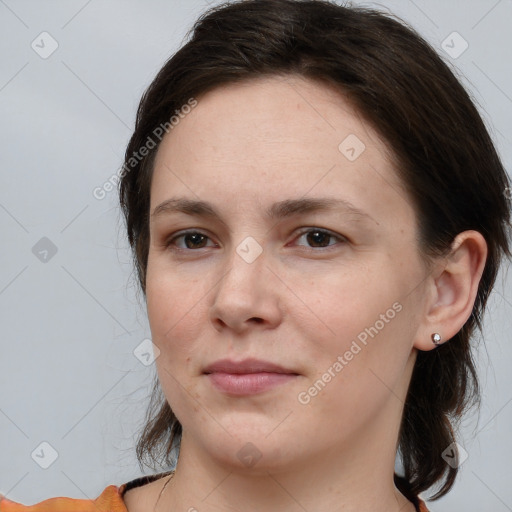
(246, 366)
(247, 377)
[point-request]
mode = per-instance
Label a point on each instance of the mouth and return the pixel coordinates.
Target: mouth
(246, 366)
(247, 377)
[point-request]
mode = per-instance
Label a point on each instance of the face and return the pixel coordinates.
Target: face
(305, 257)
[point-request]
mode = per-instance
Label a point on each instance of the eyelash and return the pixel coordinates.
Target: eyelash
(328, 233)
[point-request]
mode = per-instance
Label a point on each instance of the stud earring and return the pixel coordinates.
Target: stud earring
(436, 339)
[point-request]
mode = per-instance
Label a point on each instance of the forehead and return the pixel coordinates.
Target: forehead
(270, 138)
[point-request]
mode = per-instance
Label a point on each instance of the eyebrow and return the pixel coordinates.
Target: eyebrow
(280, 210)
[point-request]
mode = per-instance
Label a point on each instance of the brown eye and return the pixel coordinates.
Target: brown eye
(191, 239)
(320, 238)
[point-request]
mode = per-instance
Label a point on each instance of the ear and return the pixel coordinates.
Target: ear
(451, 289)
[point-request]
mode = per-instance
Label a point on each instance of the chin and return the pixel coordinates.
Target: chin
(251, 447)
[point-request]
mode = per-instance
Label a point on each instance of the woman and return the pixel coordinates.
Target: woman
(318, 215)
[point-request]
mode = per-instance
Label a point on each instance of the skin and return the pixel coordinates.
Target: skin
(301, 303)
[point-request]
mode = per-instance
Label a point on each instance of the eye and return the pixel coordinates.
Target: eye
(191, 239)
(319, 238)
(316, 237)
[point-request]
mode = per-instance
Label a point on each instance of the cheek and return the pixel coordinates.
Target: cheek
(176, 314)
(172, 300)
(346, 304)
(365, 341)
(175, 317)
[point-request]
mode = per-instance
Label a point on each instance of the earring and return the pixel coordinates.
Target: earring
(436, 338)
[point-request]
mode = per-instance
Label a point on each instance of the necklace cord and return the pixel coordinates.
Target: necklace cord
(162, 490)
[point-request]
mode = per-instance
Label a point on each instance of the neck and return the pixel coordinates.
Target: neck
(355, 477)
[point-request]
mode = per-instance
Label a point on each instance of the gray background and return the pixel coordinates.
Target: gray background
(70, 323)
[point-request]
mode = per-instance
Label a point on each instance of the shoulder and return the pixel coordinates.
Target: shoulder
(128, 497)
(108, 501)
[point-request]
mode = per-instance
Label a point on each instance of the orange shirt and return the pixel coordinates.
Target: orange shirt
(110, 500)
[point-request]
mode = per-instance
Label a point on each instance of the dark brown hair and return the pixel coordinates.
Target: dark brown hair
(444, 156)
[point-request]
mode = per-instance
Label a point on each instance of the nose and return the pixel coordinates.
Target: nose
(247, 295)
